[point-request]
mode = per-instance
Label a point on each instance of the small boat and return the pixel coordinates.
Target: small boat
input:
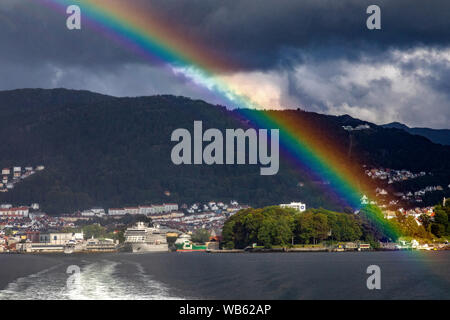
(69, 248)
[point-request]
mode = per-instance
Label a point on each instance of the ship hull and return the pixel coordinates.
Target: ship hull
(146, 247)
(190, 247)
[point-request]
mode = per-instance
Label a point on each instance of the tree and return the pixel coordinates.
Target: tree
(272, 226)
(201, 236)
(410, 228)
(70, 230)
(267, 226)
(441, 217)
(94, 230)
(317, 224)
(425, 220)
(304, 227)
(320, 227)
(375, 225)
(441, 226)
(119, 235)
(276, 228)
(438, 229)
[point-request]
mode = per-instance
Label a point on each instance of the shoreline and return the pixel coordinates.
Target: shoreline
(214, 251)
(296, 250)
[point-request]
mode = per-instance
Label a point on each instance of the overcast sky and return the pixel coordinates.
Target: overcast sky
(317, 55)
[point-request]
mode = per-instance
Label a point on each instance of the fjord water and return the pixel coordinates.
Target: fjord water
(404, 275)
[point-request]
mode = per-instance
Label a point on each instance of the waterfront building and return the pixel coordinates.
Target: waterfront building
(59, 238)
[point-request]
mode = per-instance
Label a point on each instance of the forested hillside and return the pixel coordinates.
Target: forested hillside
(106, 151)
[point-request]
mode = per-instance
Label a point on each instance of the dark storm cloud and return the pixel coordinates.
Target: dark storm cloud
(254, 33)
(315, 54)
(32, 34)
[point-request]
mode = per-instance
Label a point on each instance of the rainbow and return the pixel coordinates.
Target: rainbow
(149, 35)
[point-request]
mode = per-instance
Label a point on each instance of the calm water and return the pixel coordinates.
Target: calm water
(404, 275)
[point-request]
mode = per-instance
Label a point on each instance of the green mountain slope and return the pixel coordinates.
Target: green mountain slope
(106, 151)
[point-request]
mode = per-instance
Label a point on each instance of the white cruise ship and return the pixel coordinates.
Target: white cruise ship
(142, 238)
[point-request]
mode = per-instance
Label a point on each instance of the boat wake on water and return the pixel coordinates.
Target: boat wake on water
(100, 280)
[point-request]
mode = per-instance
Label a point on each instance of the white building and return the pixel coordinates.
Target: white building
(56, 238)
(19, 212)
(362, 127)
(6, 171)
(295, 205)
(145, 210)
(98, 211)
(364, 200)
(116, 212)
(93, 212)
(78, 237)
(158, 209)
(88, 213)
(132, 210)
(168, 207)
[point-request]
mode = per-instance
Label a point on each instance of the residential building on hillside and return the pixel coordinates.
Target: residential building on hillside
(131, 210)
(19, 212)
(168, 207)
(117, 212)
